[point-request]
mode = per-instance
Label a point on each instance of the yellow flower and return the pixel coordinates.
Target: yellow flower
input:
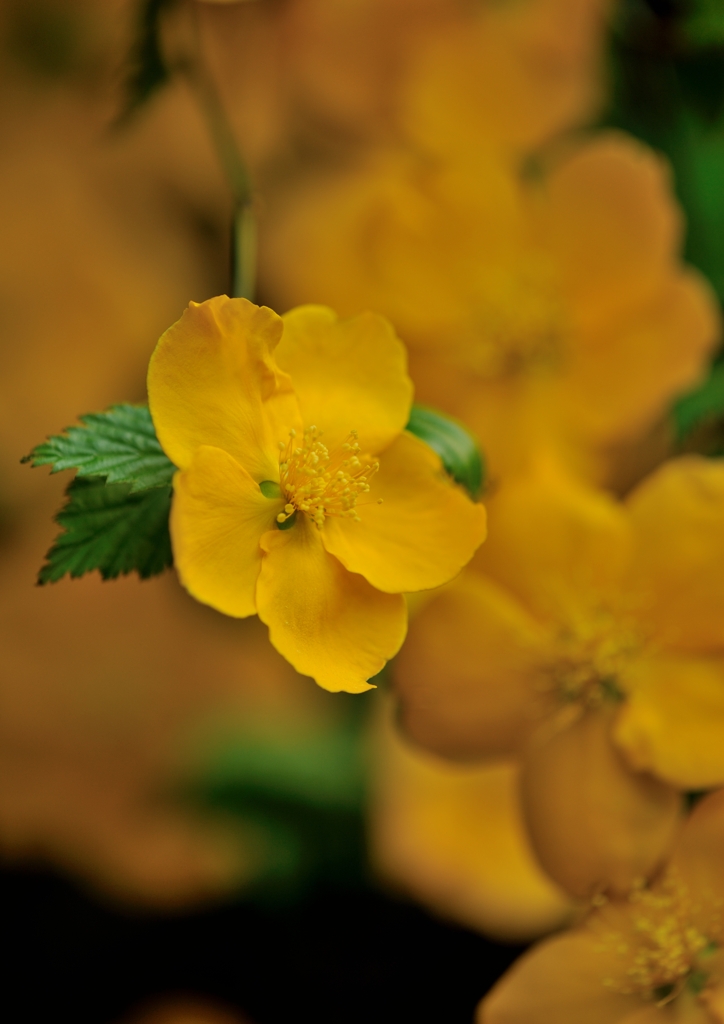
(452, 836)
(588, 637)
(541, 309)
(300, 496)
(652, 958)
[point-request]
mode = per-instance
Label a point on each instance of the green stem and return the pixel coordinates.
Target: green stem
(243, 252)
(243, 232)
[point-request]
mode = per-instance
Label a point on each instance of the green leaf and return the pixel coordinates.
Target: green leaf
(324, 770)
(458, 450)
(669, 92)
(116, 516)
(110, 528)
(301, 797)
(119, 444)
(701, 407)
(704, 23)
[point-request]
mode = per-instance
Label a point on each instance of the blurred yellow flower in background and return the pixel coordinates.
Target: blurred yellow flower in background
(300, 496)
(588, 637)
(453, 837)
(652, 958)
(504, 77)
(310, 86)
(541, 308)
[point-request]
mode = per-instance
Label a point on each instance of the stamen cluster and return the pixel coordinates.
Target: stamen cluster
(596, 649)
(320, 483)
(664, 949)
(521, 330)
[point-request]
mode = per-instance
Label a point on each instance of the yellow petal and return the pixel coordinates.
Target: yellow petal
(687, 1008)
(510, 416)
(706, 1007)
(218, 516)
(396, 237)
(329, 623)
(421, 535)
(595, 824)
(662, 1015)
(620, 374)
(212, 380)
(468, 671)
(452, 836)
(672, 723)
(347, 374)
(698, 860)
(560, 981)
(677, 517)
(712, 1009)
(504, 76)
(560, 546)
(613, 224)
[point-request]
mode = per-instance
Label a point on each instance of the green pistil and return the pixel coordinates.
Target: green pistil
(270, 489)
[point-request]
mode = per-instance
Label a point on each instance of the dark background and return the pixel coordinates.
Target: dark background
(343, 954)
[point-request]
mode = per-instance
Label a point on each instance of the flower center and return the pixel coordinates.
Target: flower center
(594, 651)
(664, 952)
(510, 348)
(321, 483)
(519, 329)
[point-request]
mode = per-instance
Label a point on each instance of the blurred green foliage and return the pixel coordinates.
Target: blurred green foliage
(699, 410)
(667, 88)
(703, 22)
(301, 797)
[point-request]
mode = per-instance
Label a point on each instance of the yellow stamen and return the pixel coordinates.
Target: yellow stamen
(521, 326)
(594, 650)
(320, 483)
(663, 951)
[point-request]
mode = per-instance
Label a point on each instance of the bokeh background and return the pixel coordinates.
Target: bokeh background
(184, 821)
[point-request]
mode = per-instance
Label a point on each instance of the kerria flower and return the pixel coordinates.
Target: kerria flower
(452, 837)
(655, 957)
(545, 309)
(587, 640)
(300, 496)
